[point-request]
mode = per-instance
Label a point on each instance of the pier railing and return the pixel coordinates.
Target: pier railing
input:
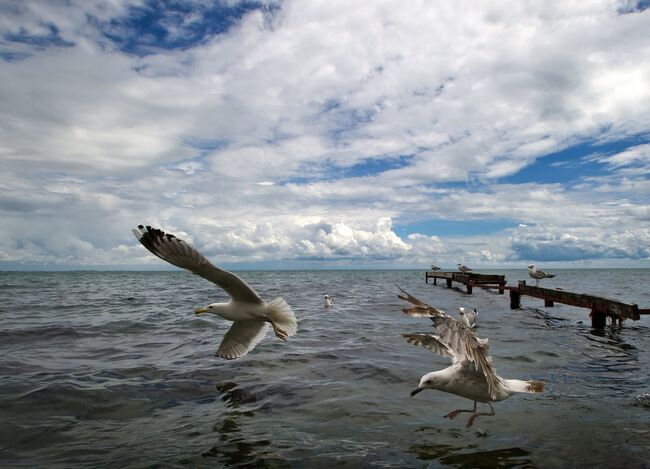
(601, 307)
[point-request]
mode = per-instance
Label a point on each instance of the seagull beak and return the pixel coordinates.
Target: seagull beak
(200, 310)
(415, 391)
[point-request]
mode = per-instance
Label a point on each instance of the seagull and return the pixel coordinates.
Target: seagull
(463, 268)
(471, 374)
(328, 301)
(435, 267)
(468, 320)
(250, 314)
(538, 274)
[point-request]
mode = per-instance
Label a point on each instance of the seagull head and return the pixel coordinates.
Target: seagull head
(428, 381)
(211, 308)
(531, 266)
(461, 310)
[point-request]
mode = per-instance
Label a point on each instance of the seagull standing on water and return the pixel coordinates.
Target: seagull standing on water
(250, 314)
(538, 274)
(463, 268)
(328, 301)
(471, 374)
(467, 319)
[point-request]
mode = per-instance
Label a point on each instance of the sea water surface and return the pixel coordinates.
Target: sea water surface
(113, 369)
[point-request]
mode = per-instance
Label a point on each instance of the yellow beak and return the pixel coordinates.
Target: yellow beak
(200, 310)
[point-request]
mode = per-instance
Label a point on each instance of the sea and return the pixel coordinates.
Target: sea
(113, 369)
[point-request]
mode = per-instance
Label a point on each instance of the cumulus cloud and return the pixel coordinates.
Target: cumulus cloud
(305, 130)
(548, 243)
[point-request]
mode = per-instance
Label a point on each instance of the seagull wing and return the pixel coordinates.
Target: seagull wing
(471, 318)
(460, 340)
(431, 343)
(418, 308)
(241, 338)
(179, 253)
(545, 274)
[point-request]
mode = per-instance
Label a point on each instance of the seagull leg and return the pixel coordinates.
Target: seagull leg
(454, 413)
(472, 417)
(280, 333)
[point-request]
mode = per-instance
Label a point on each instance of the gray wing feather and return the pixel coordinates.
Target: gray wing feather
(431, 343)
(179, 253)
(241, 338)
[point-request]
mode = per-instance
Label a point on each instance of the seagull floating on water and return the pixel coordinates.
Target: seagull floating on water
(250, 314)
(471, 374)
(468, 319)
(538, 274)
(328, 301)
(463, 268)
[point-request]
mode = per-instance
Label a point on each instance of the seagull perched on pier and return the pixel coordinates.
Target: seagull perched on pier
(538, 274)
(471, 374)
(463, 268)
(435, 267)
(250, 314)
(467, 319)
(328, 301)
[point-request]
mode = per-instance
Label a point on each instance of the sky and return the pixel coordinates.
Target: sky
(326, 134)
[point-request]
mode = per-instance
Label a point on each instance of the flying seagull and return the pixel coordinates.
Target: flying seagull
(471, 374)
(538, 274)
(463, 268)
(468, 319)
(250, 314)
(328, 301)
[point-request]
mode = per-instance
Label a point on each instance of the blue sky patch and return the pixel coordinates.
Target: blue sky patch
(571, 164)
(438, 227)
(170, 25)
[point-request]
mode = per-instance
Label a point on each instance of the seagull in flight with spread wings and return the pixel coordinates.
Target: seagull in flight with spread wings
(471, 374)
(250, 314)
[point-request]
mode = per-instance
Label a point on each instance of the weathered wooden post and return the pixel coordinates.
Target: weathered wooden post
(449, 283)
(469, 287)
(426, 277)
(502, 287)
(435, 280)
(548, 303)
(515, 299)
(598, 316)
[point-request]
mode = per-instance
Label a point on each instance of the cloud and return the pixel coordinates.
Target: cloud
(294, 131)
(548, 243)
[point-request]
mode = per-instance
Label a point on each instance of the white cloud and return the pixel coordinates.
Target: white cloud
(251, 140)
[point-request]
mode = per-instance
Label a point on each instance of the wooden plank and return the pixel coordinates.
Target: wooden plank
(611, 307)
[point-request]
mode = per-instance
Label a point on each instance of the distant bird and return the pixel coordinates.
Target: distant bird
(538, 274)
(328, 301)
(463, 268)
(468, 319)
(250, 314)
(435, 267)
(471, 374)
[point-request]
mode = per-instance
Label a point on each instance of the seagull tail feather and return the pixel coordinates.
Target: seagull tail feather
(280, 313)
(517, 385)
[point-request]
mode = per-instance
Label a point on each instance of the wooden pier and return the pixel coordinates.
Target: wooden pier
(469, 279)
(601, 308)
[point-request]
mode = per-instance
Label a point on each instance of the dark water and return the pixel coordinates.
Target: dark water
(113, 369)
